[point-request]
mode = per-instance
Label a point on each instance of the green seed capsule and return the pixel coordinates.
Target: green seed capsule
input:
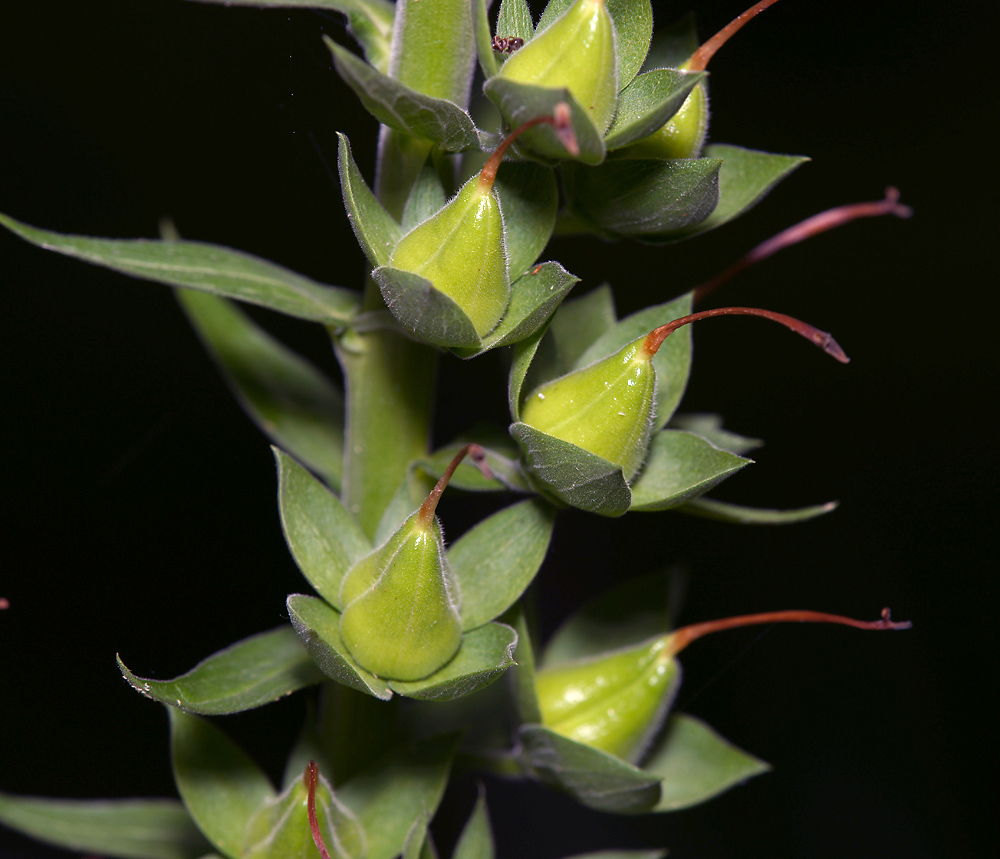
(460, 249)
(576, 51)
(606, 408)
(613, 703)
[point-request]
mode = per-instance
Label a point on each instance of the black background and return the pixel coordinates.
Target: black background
(138, 510)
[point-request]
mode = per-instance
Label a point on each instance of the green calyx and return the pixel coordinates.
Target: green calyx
(460, 250)
(577, 51)
(615, 702)
(605, 408)
(682, 136)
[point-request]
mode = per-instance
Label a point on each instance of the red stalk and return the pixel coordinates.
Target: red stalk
(478, 456)
(686, 634)
(560, 121)
(821, 338)
(699, 59)
(309, 777)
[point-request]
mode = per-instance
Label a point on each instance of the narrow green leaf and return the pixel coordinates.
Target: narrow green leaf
(723, 511)
(571, 474)
(129, 828)
(423, 309)
(245, 675)
(634, 30)
(672, 362)
(496, 560)
(647, 199)
(392, 793)
(535, 296)
(376, 231)
(529, 200)
(519, 102)
(681, 466)
(484, 655)
(745, 178)
(709, 426)
(484, 42)
(395, 104)
(290, 400)
(647, 103)
(221, 786)
(318, 625)
(627, 614)
(592, 777)
(325, 540)
(476, 840)
(694, 764)
(433, 47)
(204, 267)
(514, 20)
(416, 838)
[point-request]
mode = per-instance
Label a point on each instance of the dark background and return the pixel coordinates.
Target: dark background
(138, 512)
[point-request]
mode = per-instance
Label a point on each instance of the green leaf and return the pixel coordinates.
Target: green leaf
(648, 199)
(208, 268)
(672, 362)
(432, 49)
(130, 828)
(709, 426)
(395, 104)
(485, 653)
(476, 840)
(290, 400)
(318, 625)
(535, 296)
(396, 789)
(514, 20)
(423, 309)
(496, 560)
(694, 764)
(325, 540)
(417, 837)
(681, 466)
(647, 103)
(529, 200)
(221, 786)
(523, 673)
(519, 102)
(253, 672)
(571, 474)
(745, 178)
(627, 614)
(369, 21)
(633, 29)
(592, 777)
(376, 231)
(723, 511)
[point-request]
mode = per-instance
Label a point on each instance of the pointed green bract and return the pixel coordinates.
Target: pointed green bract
(400, 618)
(605, 408)
(576, 51)
(681, 136)
(613, 702)
(460, 250)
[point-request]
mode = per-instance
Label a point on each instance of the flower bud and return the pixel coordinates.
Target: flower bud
(576, 51)
(400, 619)
(607, 407)
(614, 702)
(684, 133)
(618, 701)
(460, 249)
